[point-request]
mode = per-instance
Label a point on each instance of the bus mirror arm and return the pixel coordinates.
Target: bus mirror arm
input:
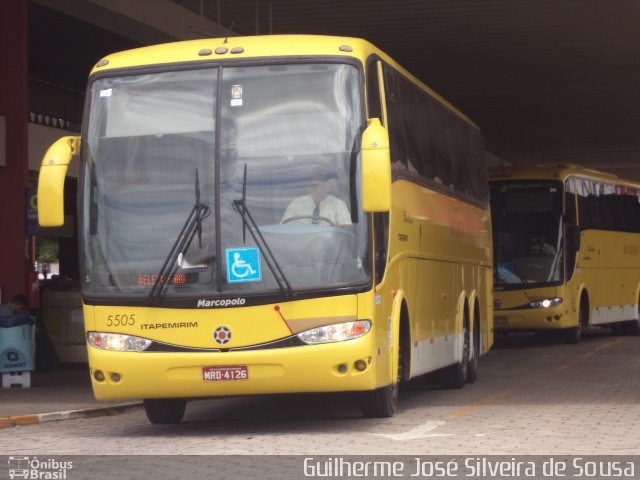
(376, 168)
(51, 180)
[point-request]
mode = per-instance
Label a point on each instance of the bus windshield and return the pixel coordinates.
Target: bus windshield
(281, 141)
(527, 232)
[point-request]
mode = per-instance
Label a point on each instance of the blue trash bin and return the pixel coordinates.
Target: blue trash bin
(17, 343)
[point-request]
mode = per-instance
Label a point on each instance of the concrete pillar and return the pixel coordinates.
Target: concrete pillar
(14, 173)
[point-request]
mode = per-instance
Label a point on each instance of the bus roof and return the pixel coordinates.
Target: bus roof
(237, 47)
(553, 172)
(256, 47)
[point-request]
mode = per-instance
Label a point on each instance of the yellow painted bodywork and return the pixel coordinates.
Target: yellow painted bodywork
(51, 181)
(440, 255)
(438, 267)
(607, 270)
(512, 316)
(270, 370)
(376, 168)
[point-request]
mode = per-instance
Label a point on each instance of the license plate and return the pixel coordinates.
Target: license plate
(219, 374)
(500, 321)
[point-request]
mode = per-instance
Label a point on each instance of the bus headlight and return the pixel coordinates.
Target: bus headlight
(546, 303)
(338, 332)
(118, 342)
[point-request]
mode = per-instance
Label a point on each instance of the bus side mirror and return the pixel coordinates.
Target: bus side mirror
(51, 181)
(376, 168)
(573, 237)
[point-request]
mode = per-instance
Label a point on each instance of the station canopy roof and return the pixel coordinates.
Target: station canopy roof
(548, 81)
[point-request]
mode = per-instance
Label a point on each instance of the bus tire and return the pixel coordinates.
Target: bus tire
(383, 402)
(633, 326)
(380, 403)
(455, 376)
(574, 335)
(619, 329)
(165, 411)
(472, 366)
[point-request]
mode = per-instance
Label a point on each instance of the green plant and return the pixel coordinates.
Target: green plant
(46, 250)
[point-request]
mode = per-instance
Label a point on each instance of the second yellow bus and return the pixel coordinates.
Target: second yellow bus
(567, 250)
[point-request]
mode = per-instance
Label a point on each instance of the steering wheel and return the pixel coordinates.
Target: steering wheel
(309, 217)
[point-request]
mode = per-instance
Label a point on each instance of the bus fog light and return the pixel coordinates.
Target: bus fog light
(338, 332)
(342, 368)
(360, 365)
(115, 377)
(98, 375)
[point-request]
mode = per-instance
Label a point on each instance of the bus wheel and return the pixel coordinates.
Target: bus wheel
(574, 335)
(472, 366)
(633, 326)
(456, 375)
(619, 329)
(380, 403)
(383, 402)
(162, 411)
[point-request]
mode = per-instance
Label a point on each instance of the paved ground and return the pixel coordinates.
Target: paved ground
(67, 388)
(534, 396)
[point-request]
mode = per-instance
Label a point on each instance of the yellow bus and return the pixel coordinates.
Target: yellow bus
(567, 250)
(274, 214)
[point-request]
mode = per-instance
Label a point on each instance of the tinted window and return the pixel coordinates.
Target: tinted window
(432, 144)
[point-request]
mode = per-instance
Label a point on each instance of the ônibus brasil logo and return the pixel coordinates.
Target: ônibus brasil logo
(33, 468)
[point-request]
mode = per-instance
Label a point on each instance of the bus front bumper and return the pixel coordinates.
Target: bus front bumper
(332, 367)
(533, 319)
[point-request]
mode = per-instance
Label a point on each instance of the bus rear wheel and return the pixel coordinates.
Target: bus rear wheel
(472, 368)
(455, 376)
(633, 326)
(165, 411)
(629, 327)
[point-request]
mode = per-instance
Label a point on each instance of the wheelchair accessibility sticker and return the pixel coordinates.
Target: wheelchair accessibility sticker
(243, 265)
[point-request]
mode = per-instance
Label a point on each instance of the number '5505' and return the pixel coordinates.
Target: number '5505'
(119, 320)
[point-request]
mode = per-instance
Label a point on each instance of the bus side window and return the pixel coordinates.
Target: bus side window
(439, 151)
(410, 126)
(395, 122)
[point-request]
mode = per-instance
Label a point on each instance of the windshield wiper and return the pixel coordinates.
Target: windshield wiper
(191, 226)
(248, 223)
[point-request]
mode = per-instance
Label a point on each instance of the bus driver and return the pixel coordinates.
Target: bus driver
(318, 205)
